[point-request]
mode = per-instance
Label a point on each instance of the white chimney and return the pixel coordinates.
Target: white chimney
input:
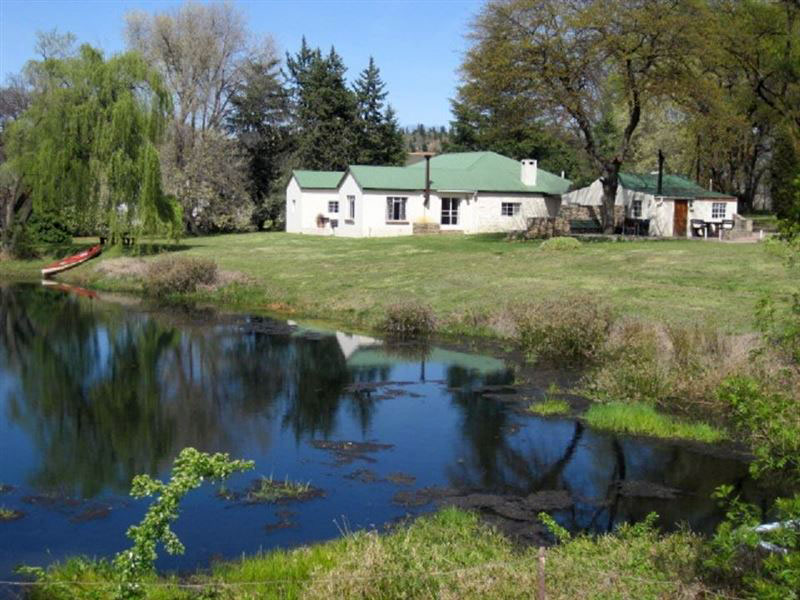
(528, 172)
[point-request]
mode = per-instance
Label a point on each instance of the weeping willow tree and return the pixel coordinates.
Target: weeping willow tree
(86, 147)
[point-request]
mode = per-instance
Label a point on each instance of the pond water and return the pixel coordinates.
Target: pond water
(94, 392)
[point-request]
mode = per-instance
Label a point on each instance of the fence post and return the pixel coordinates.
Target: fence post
(542, 593)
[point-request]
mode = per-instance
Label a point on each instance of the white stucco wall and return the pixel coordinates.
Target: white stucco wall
(591, 195)
(477, 213)
(304, 205)
(701, 209)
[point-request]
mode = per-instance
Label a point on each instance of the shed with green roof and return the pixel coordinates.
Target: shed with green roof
(674, 207)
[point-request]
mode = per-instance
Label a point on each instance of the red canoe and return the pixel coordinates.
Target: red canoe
(71, 261)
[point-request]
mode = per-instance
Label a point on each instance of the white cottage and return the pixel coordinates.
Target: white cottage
(681, 207)
(468, 192)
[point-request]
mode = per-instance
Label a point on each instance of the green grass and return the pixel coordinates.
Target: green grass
(450, 554)
(549, 407)
(642, 419)
(470, 282)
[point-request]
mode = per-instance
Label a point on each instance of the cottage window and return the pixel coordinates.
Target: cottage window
(352, 201)
(718, 210)
(509, 209)
(450, 211)
(395, 208)
(636, 209)
(333, 206)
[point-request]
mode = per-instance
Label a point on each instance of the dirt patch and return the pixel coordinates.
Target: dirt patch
(92, 513)
(548, 500)
(645, 489)
(402, 478)
(364, 476)
(52, 500)
(284, 521)
(347, 452)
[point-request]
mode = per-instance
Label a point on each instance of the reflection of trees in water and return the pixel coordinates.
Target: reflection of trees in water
(590, 465)
(104, 395)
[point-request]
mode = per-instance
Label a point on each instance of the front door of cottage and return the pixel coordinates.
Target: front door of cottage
(680, 219)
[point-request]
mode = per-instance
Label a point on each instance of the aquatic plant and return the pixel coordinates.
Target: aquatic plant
(550, 406)
(9, 514)
(642, 419)
(268, 489)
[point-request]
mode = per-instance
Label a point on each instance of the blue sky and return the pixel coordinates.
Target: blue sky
(418, 44)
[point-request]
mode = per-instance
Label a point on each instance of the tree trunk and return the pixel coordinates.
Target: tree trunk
(610, 181)
(17, 208)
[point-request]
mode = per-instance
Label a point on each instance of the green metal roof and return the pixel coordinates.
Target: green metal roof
(673, 186)
(463, 171)
(321, 180)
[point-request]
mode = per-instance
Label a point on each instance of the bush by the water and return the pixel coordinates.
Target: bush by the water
(560, 244)
(572, 331)
(409, 320)
(178, 275)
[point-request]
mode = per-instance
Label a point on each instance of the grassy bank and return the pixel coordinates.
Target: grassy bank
(470, 282)
(447, 555)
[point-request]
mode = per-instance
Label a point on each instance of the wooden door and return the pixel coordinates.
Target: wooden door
(679, 221)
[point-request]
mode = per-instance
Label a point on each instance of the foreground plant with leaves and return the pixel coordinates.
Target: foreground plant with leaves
(131, 568)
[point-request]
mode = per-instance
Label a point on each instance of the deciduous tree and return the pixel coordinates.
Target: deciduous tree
(575, 59)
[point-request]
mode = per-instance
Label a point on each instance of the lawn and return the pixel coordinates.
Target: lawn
(476, 279)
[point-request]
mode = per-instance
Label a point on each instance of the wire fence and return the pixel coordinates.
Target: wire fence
(602, 580)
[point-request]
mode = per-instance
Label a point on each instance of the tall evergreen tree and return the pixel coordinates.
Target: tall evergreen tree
(784, 173)
(259, 121)
(324, 111)
(379, 141)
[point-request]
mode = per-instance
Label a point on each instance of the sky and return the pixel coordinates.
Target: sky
(417, 44)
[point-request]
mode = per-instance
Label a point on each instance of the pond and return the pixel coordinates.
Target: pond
(93, 392)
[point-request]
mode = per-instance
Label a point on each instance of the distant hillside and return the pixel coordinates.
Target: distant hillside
(425, 139)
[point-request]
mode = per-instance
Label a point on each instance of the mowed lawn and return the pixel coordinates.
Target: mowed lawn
(687, 281)
(468, 278)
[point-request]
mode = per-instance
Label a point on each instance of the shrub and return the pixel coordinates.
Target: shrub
(768, 420)
(674, 366)
(571, 331)
(178, 275)
(409, 320)
(560, 244)
(764, 563)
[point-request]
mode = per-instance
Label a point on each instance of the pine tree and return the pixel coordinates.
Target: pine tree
(324, 111)
(379, 141)
(260, 123)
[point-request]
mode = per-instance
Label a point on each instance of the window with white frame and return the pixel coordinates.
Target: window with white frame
(333, 206)
(450, 211)
(718, 210)
(351, 200)
(636, 209)
(395, 208)
(510, 209)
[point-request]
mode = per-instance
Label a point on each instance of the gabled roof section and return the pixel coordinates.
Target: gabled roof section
(461, 171)
(318, 180)
(673, 186)
(388, 178)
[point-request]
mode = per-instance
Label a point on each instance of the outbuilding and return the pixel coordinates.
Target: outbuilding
(678, 208)
(466, 192)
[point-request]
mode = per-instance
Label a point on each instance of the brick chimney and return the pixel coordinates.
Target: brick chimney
(528, 171)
